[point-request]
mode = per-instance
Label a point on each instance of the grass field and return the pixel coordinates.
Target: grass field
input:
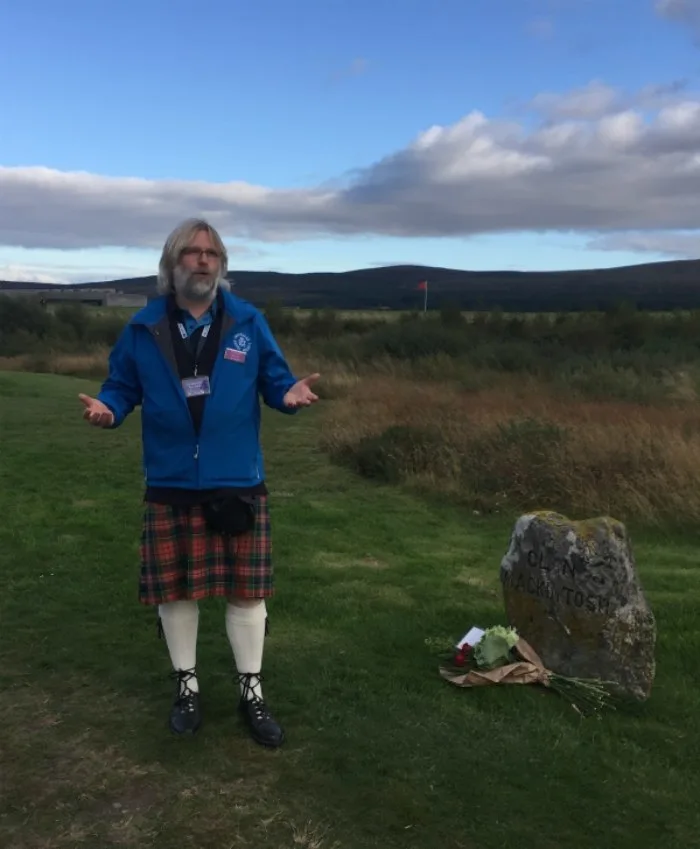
(380, 753)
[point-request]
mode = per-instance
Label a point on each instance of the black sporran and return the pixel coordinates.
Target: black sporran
(231, 516)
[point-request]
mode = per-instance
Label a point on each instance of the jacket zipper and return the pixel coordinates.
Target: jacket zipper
(222, 343)
(156, 332)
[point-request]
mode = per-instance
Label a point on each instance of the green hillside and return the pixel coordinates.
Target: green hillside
(651, 286)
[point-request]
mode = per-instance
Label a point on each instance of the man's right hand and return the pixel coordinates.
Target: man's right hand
(95, 412)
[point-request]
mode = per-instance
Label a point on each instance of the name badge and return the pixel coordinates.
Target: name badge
(234, 355)
(196, 386)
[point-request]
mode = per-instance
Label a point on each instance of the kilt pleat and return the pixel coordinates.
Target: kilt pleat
(181, 558)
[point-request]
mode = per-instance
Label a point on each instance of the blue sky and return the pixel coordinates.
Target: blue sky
(304, 129)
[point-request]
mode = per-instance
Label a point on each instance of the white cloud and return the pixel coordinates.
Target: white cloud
(600, 161)
(22, 274)
(588, 102)
(596, 100)
(679, 245)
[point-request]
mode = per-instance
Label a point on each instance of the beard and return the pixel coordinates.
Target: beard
(194, 287)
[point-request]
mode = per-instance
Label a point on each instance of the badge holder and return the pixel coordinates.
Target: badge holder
(195, 387)
(198, 385)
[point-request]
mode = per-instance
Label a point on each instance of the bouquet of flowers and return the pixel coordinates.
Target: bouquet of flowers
(499, 655)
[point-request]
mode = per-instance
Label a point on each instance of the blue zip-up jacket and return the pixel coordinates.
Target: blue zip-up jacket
(143, 371)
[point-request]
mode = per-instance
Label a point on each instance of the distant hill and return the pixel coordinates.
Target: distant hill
(657, 286)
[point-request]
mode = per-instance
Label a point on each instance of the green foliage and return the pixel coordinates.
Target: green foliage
(621, 352)
(18, 315)
(15, 343)
(414, 340)
(540, 344)
(322, 324)
(282, 322)
(73, 320)
(451, 315)
(26, 327)
(103, 330)
(494, 648)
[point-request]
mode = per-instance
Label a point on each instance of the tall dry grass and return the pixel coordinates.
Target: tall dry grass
(519, 445)
(491, 440)
(89, 364)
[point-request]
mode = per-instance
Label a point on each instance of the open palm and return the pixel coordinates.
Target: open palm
(95, 412)
(301, 394)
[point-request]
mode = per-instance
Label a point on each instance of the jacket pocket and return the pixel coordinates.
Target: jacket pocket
(171, 463)
(169, 446)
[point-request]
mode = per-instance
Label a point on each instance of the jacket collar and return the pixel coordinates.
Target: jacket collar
(157, 309)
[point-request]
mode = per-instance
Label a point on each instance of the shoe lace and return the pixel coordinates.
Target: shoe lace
(253, 702)
(185, 697)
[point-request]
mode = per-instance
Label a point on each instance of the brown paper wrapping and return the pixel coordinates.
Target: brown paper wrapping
(528, 670)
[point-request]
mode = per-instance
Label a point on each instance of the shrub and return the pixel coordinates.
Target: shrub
(397, 453)
(322, 325)
(518, 459)
(72, 320)
(26, 327)
(451, 315)
(498, 449)
(282, 322)
(413, 340)
(104, 330)
(23, 314)
(15, 342)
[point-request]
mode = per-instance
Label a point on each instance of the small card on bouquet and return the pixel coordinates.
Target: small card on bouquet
(471, 638)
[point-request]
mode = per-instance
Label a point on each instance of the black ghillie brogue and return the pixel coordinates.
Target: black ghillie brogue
(264, 729)
(185, 714)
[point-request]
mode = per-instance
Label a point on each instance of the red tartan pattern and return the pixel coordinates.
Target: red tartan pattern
(182, 559)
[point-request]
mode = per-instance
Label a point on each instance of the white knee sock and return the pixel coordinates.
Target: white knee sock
(245, 627)
(180, 621)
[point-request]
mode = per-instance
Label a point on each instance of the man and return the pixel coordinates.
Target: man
(196, 359)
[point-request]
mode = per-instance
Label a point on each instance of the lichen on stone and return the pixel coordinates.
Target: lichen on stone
(571, 589)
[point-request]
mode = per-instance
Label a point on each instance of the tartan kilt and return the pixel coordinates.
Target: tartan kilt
(181, 558)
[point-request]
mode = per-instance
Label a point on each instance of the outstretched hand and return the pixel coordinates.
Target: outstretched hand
(95, 412)
(300, 395)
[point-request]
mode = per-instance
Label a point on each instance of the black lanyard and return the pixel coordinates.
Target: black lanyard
(201, 342)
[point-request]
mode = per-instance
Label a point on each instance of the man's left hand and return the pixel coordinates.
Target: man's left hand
(300, 395)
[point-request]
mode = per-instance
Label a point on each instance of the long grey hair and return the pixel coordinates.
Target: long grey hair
(179, 239)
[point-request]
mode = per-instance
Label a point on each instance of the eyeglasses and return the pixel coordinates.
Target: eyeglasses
(209, 253)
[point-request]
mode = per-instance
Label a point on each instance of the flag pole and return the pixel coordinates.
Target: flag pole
(425, 297)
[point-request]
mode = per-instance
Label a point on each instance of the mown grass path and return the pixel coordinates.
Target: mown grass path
(381, 752)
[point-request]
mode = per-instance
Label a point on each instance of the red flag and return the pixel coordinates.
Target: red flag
(422, 286)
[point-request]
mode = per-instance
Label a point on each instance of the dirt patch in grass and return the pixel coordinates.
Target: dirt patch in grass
(337, 560)
(69, 789)
(65, 784)
(476, 582)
